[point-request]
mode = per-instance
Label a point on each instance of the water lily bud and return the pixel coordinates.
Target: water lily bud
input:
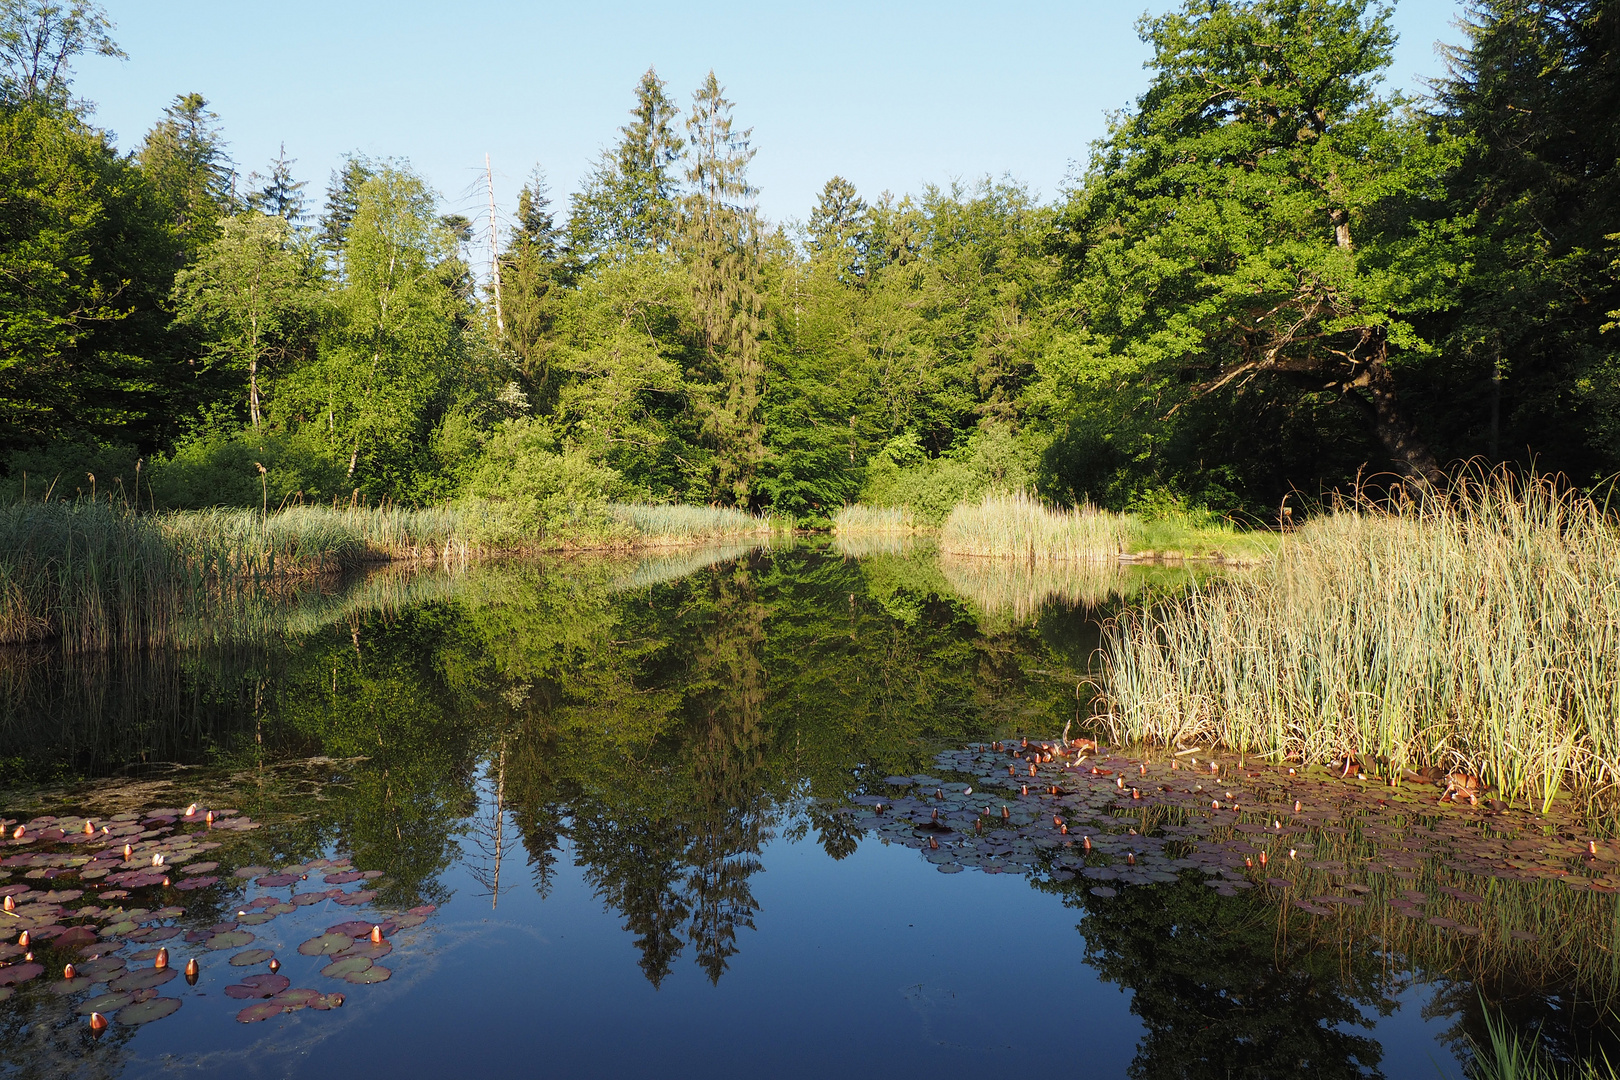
(967, 791)
(157, 859)
(69, 972)
(1214, 768)
(193, 969)
(1004, 813)
(22, 939)
(936, 815)
(129, 852)
(1144, 768)
(17, 833)
(1056, 820)
(10, 904)
(376, 931)
(1130, 858)
(28, 957)
(89, 829)
(1298, 806)
(162, 960)
(1086, 843)
(1064, 829)
(933, 844)
(1032, 770)
(1291, 853)
(1591, 847)
(210, 818)
(1011, 771)
(98, 1023)
(191, 811)
(1262, 858)
(1024, 744)
(1026, 789)
(275, 965)
(1119, 782)
(165, 882)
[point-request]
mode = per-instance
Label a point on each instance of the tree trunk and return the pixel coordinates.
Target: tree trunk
(1401, 440)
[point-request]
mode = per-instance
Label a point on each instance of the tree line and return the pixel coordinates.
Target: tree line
(1271, 273)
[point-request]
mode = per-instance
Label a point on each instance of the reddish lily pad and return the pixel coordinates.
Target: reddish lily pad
(297, 998)
(258, 986)
(20, 973)
(326, 945)
(202, 882)
(105, 1003)
(199, 867)
(343, 877)
(73, 985)
(276, 881)
(252, 871)
(327, 1001)
(405, 922)
(365, 896)
(304, 899)
(251, 957)
(75, 936)
(425, 909)
(345, 966)
(255, 918)
(376, 973)
(144, 1012)
(262, 1010)
(230, 939)
(355, 928)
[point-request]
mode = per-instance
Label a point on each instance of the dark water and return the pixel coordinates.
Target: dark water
(620, 782)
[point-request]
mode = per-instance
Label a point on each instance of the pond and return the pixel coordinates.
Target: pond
(732, 812)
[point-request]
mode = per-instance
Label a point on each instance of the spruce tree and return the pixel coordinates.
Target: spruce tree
(184, 160)
(342, 200)
(721, 245)
(278, 193)
(629, 200)
(839, 230)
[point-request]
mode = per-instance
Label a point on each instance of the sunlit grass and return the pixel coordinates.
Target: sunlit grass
(1020, 526)
(1476, 630)
(859, 520)
(652, 522)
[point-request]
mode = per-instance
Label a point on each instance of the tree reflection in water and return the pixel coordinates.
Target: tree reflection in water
(661, 733)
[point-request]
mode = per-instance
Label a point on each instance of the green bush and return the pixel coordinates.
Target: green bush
(220, 468)
(64, 470)
(902, 473)
(525, 485)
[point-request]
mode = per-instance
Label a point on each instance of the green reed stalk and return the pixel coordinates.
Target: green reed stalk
(1476, 629)
(1020, 526)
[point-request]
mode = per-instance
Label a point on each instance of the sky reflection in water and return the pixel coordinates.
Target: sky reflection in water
(665, 741)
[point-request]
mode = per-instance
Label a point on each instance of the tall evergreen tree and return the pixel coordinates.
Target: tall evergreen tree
(532, 280)
(721, 237)
(278, 192)
(184, 159)
(629, 200)
(839, 229)
(342, 201)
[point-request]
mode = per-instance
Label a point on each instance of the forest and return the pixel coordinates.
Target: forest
(1272, 274)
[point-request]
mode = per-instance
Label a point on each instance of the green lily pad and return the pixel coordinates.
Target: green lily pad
(251, 957)
(345, 966)
(326, 945)
(143, 978)
(297, 998)
(255, 918)
(253, 871)
(72, 986)
(230, 939)
(144, 1012)
(105, 1003)
(371, 950)
(327, 1001)
(376, 973)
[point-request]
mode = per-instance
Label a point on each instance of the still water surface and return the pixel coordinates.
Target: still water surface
(620, 781)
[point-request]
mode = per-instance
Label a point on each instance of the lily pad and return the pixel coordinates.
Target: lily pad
(106, 1003)
(20, 973)
(326, 945)
(327, 1001)
(365, 896)
(296, 998)
(254, 918)
(276, 881)
(355, 928)
(345, 966)
(405, 922)
(143, 978)
(304, 899)
(425, 909)
(251, 957)
(231, 939)
(262, 1010)
(344, 877)
(258, 986)
(252, 871)
(376, 973)
(72, 986)
(371, 950)
(144, 1012)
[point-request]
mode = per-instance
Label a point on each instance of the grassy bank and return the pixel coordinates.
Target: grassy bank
(95, 574)
(1477, 630)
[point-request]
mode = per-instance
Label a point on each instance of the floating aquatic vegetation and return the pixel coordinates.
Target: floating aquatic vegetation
(1331, 844)
(154, 857)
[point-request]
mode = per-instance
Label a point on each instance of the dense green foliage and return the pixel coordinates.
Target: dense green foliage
(1272, 274)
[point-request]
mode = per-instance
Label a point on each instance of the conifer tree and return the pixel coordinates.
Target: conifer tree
(721, 244)
(342, 200)
(839, 230)
(629, 200)
(184, 160)
(278, 194)
(532, 280)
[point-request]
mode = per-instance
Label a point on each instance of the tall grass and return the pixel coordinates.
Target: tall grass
(680, 523)
(857, 519)
(1508, 1056)
(1022, 527)
(93, 575)
(1020, 588)
(1475, 629)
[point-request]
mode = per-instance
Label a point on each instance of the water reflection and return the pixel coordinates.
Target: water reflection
(660, 727)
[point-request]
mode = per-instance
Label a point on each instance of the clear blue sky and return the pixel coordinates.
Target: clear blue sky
(891, 95)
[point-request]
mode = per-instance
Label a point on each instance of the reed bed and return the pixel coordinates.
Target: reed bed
(857, 519)
(1020, 589)
(1020, 526)
(1476, 629)
(679, 523)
